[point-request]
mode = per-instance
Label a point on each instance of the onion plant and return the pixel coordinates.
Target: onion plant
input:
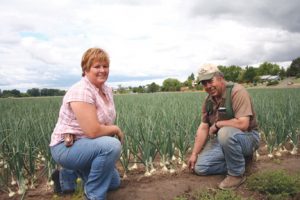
(161, 124)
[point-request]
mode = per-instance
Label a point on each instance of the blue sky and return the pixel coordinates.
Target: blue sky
(41, 41)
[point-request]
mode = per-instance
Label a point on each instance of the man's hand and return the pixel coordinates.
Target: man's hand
(192, 162)
(213, 129)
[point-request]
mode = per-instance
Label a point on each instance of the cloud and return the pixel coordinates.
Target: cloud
(147, 40)
(267, 13)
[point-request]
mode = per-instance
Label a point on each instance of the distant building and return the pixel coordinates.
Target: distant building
(194, 83)
(269, 78)
(184, 89)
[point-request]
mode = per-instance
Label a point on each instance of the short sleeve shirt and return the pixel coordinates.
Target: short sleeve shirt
(241, 104)
(82, 91)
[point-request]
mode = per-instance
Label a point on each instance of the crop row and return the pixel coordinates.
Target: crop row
(158, 127)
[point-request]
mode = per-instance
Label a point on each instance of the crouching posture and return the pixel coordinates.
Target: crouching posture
(227, 132)
(82, 141)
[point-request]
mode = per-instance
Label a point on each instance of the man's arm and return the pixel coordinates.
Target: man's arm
(242, 107)
(200, 139)
(241, 123)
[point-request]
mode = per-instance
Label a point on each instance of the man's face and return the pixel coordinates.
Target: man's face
(213, 86)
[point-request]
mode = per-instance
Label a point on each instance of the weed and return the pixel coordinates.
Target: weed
(210, 194)
(275, 184)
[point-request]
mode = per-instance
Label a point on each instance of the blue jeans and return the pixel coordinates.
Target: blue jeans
(226, 153)
(91, 159)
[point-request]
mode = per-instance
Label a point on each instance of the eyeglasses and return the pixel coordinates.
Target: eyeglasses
(205, 82)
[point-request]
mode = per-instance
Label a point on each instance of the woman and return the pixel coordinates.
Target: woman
(87, 115)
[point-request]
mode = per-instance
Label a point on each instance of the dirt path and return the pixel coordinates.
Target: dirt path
(167, 187)
(162, 186)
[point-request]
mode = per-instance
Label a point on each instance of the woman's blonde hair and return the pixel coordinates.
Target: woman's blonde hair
(92, 55)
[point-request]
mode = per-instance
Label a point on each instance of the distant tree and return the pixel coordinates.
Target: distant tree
(189, 81)
(171, 84)
(44, 92)
(153, 87)
(11, 93)
(61, 93)
(135, 89)
(198, 87)
(231, 73)
(34, 92)
(140, 89)
(121, 89)
(294, 69)
(16, 93)
(191, 77)
(241, 76)
(0, 93)
(282, 73)
(267, 68)
(24, 95)
(186, 83)
(249, 74)
(52, 92)
(6, 93)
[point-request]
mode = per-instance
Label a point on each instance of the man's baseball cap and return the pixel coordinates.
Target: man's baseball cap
(207, 72)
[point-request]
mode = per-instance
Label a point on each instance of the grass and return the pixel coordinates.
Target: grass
(296, 80)
(275, 184)
(211, 194)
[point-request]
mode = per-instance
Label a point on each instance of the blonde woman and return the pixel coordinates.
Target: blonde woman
(83, 141)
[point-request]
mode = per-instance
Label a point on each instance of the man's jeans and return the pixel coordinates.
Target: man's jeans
(91, 159)
(226, 153)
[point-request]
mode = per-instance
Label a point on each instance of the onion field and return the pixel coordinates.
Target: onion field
(159, 129)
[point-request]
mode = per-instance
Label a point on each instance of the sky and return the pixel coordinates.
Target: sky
(42, 41)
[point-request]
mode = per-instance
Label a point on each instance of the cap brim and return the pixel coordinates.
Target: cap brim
(206, 77)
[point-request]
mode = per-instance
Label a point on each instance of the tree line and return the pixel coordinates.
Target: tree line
(34, 92)
(232, 73)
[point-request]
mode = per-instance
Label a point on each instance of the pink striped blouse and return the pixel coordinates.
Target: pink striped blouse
(83, 91)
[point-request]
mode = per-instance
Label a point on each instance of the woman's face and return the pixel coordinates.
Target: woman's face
(98, 73)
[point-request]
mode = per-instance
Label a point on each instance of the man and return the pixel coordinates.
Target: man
(227, 132)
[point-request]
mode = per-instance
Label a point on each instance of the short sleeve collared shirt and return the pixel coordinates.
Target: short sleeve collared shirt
(241, 104)
(83, 91)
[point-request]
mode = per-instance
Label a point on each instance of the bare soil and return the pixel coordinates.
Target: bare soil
(166, 186)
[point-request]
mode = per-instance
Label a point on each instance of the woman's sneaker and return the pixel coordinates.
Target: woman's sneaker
(56, 182)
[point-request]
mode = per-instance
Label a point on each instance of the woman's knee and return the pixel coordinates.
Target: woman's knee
(116, 146)
(107, 145)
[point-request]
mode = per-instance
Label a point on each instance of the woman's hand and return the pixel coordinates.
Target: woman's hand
(86, 115)
(120, 135)
(69, 139)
